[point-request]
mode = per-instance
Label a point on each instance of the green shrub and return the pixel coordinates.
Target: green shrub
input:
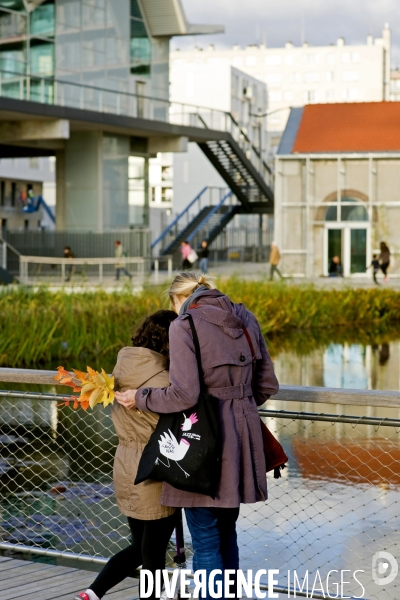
(42, 328)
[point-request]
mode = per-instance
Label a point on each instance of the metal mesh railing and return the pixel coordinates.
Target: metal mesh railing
(334, 508)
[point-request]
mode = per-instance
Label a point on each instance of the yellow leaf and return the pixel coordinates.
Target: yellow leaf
(109, 380)
(99, 380)
(95, 397)
(109, 399)
(88, 387)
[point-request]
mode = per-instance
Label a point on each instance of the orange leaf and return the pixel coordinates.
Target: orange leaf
(78, 388)
(85, 397)
(91, 371)
(80, 375)
(85, 404)
(76, 404)
(61, 373)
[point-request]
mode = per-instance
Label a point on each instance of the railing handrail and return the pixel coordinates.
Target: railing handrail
(56, 260)
(3, 241)
(180, 215)
(168, 101)
(209, 215)
(291, 393)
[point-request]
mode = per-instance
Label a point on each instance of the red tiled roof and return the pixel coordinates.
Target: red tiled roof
(358, 127)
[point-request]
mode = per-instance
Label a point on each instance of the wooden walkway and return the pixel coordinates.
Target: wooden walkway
(24, 580)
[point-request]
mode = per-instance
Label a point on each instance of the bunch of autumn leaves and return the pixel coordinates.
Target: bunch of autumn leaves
(94, 387)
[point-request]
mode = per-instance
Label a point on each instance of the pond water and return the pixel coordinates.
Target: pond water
(336, 505)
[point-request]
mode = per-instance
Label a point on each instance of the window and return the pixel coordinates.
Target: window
(295, 77)
(310, 96)
(42, 20)
(350, 75)
(311, 76)
(140, 43)
(42, 59)
(153, 194)
(273, 60)
(34, 162)
(357, 212)
(272, 78)
(330, 95)
(330, 58)
(251, 61)
(310, 58)
(329, 75)
(166, 194)
(355, 57)
(275, 96)
(237, 61)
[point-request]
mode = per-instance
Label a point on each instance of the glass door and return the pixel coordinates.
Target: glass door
(358, 250)
(334, 246)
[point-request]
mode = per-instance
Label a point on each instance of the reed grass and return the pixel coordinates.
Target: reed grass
(42, 328)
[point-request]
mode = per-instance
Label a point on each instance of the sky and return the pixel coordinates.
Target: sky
(319, 22)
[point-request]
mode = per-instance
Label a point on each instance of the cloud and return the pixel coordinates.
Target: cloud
(320, 22)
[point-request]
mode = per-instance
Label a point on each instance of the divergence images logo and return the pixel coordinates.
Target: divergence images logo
(384, 568)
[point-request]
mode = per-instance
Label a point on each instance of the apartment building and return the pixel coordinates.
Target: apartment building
(308, 74)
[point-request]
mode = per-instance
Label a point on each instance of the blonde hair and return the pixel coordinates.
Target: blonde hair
(187, 282)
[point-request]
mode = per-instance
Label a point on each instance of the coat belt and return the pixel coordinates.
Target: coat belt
(243, 390)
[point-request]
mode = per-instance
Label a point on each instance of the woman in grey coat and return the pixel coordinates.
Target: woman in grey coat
(228, 374)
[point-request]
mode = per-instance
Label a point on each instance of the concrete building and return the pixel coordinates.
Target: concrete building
(296, 76)
(88, 83)
(336, 189)
(395, 85)
(234, 97)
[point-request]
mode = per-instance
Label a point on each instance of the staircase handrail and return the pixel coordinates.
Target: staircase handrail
(244, 134)
(40, 201)
(209, 215)
(175, 221)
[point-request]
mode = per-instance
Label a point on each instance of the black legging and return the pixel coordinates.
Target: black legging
(148, 548)
(384, 267)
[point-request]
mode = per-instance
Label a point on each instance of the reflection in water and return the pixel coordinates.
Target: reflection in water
(351, 366)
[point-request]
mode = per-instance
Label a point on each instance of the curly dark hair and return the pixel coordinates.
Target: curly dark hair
(153, 332)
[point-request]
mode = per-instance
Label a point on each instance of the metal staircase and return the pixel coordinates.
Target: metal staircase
(249, 178)
(196, 223)
(238, 172)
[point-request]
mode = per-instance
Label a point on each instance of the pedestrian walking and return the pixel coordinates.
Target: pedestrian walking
(238, 372)
(151, 523)
(384, 261)
(274, 258)
(119, 266)
(204, 254)
(186, 250)
(69, 268)
(375, 266)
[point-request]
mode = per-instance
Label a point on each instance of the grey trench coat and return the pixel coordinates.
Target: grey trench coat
(227, 370)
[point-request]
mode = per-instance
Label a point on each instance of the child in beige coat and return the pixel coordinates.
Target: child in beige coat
(151, 524)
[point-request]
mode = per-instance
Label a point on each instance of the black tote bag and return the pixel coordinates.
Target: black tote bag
(185, 448)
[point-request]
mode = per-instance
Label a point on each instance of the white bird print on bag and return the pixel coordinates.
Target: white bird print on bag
(189, 421)
(170, 448)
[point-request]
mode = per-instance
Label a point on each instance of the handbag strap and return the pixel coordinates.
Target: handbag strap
(197, 350)
(253, 354)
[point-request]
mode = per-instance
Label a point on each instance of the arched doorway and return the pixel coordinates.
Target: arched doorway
(347, 233)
